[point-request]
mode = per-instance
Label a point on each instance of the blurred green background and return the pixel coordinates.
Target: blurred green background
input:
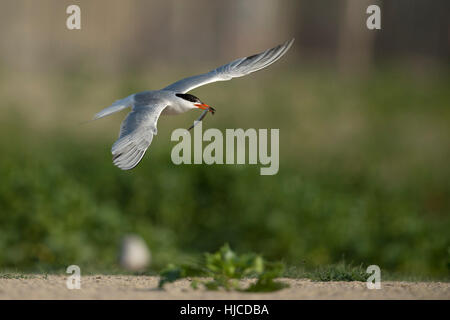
(364, 123)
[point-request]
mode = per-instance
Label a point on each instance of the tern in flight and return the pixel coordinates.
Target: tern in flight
(139, 127)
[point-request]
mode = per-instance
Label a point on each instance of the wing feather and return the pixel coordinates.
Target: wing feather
(136, 135)
(237, 68)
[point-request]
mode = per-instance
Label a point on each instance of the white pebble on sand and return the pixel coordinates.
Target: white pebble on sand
(134, 253)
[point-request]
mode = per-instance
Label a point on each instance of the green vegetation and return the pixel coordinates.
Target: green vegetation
(226, 268)
(15, 276)
(340, 272)
(363, 175)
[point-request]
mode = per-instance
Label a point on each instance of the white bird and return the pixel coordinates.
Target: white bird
(139, 127)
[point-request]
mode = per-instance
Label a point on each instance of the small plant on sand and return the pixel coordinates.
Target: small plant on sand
(224, 270)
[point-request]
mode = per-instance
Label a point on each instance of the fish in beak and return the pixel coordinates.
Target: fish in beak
(205, 109)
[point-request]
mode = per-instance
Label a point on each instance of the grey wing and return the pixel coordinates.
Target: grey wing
(237, 68)
(136, 135)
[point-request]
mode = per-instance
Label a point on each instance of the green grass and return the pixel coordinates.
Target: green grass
(363, 174)
(15, 276)
(340, 272)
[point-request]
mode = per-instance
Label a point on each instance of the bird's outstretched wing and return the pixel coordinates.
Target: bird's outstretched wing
(237, 68)
(136, 134)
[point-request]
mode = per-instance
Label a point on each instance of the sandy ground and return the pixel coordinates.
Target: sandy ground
(145, 287)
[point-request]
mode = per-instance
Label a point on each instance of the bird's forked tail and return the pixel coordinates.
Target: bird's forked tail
(115, 107)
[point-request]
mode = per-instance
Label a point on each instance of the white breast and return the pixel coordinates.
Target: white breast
(174, 109)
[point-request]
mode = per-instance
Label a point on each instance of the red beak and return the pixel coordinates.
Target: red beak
(201, 105)
(204, 106)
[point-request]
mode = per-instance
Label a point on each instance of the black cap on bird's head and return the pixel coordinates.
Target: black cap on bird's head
(188, 97)
(196, 101)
